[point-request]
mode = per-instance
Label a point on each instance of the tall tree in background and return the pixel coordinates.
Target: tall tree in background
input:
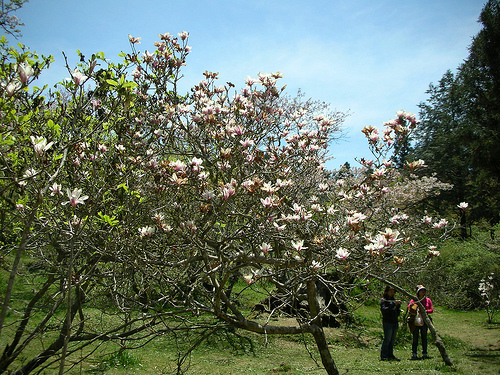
(460, 126)
(481, 80)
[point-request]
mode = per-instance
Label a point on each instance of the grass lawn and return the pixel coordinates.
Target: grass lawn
(473, 346)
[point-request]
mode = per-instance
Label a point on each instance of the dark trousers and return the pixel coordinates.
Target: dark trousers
(390, 330)
(422, 332)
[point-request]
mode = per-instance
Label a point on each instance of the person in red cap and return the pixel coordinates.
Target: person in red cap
(420, 326)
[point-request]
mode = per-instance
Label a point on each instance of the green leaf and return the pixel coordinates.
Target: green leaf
(130, 84)
(112, 82)
(56, 129)
(6, 139)
(108, 220)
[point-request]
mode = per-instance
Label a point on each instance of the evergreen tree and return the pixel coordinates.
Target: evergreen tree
(460, 129)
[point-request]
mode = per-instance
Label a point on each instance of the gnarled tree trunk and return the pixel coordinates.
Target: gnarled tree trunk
(318, 333)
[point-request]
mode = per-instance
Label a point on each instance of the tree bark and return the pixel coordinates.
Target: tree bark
(318, 333)
(437, 339)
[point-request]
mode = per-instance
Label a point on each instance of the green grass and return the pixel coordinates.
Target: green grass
(356, 351)
(472, 345)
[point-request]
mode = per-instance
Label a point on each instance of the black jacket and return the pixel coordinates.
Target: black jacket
(390, 311)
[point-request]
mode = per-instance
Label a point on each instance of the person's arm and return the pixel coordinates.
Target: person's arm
(429, 308)
(409, 305)
(385, 305)
(388, 305)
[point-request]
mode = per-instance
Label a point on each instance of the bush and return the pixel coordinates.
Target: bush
(454, 278)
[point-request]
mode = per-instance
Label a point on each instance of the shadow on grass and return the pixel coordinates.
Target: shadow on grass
(491, 357)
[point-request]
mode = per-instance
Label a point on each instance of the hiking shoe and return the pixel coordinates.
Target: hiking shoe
(392, 358)
(425, 356)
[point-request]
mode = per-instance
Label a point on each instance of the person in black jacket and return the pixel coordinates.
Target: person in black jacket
(390, 308)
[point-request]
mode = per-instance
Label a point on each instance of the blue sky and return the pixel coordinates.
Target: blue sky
(369, 58)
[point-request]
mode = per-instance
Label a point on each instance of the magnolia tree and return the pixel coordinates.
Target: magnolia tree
(131, 210)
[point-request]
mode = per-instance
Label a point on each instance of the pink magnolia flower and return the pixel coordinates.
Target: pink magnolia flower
(178, 180)
(316, 265)
(203, 176)
(463, 205)
(250, 81)
(196, 164)
(396, 219)
(278, 227)
(342, 254)
(316, 207)
(137, 73)
(299, 245)
(179, 166)
(191, 226)
(147, 56)
(78, 77)
(442, 223)
(374, 136)
(146, 231)
(227, 192)
(165, 36)
(55, 189)
(265, 247)
(248, 279)
(269, 188)
(25, 72)
(247, 142)
(267, 202)
(379, 172)
(12, 87)
(333, 229)
(323, 187)
(248, 184)
(355, 218)
(40, 144)
(75, 197)
(76, 221)
(165, 227)
(183, 35)
(390, 235)
(237, 130)
(367, 163)
(281, 183)
(433, 252)
(427, 220)
(305, 215)
(120, 148)
(96, 103)
(134, 40)
(30, 173)
(158, 216)
(416, 164)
